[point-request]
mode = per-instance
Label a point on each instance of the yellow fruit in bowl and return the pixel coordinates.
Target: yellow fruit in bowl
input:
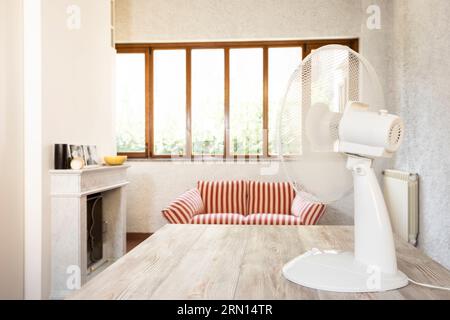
(115, 160)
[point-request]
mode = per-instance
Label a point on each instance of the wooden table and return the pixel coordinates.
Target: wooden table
(242, 262)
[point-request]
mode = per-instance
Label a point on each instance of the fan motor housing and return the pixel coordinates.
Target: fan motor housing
(368, 133)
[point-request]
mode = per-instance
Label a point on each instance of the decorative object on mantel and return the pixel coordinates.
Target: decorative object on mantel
(61, 156)
(77, 163)
(76, 151)
(90, 155)
(70, 156)
(115, 160)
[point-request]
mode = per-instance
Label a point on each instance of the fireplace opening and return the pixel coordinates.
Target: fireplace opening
(94, 229)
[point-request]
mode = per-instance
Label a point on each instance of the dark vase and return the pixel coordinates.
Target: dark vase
(61, 157)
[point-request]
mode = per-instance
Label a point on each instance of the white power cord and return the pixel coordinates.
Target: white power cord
(428, 285)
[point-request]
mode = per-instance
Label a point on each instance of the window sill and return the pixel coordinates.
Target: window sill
(205, 160)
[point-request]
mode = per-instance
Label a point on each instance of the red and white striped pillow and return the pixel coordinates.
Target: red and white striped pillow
(223, 196)
(270, 197)
(309, 212)
(184, 207)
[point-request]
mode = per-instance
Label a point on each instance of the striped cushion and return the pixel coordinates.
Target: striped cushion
(308, 211)
(223, 196)
(184, 207)
(270, 197)
(273, 219)
(218, 218)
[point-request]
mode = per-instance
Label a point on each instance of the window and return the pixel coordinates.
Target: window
(282, 62)
(246, 101)
(169, 102)
(130, 99)
(206, 99)
(340, 77)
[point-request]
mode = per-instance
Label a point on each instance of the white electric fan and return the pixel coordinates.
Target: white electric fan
(331, 126)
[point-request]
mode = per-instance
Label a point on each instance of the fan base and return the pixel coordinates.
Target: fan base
(339, 272)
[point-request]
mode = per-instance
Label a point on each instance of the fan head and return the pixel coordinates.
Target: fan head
(318, 93)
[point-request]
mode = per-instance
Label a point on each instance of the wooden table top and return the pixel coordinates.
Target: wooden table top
(242, 262)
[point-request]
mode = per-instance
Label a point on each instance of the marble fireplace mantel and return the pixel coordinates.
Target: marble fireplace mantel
(69, 192)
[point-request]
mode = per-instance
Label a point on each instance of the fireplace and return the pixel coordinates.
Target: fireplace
(88, 224)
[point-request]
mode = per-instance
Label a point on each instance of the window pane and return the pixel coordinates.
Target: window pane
(282, 63)
(246, 100)
(207, 101)
(169, 97)
(130, 102)
(336, 91)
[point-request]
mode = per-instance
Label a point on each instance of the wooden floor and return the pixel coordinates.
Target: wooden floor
(134, 239)
(243, 262)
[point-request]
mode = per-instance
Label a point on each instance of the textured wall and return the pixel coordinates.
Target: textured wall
(178, 20)
(422, 77)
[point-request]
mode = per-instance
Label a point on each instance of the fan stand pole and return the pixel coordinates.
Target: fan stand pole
(373, 266)
(374, 242)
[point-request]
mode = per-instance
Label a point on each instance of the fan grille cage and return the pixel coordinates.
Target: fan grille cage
(331, 76)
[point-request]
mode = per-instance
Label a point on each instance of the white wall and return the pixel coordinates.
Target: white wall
(210, 20)
(422, 77)
(77, 90)
(11, 150)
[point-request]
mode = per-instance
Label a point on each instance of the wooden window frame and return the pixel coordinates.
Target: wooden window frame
(148, 49)
(148, 115)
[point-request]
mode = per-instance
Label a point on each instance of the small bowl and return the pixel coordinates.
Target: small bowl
(115, 160)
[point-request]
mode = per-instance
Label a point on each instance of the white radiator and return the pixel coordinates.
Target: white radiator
(401, 192)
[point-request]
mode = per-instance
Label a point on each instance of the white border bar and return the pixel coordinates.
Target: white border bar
(33, 147)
